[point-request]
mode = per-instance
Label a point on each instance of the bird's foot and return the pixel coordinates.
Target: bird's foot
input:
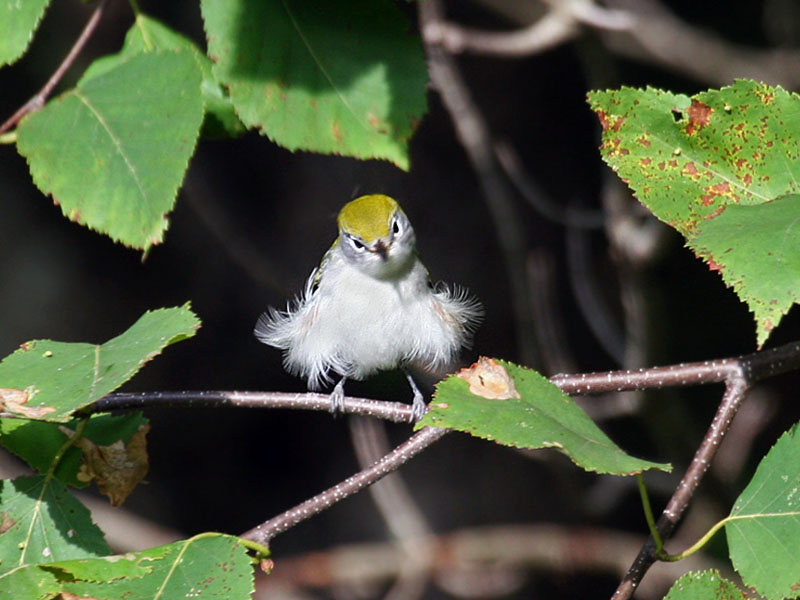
(418, 406)
(337, 398)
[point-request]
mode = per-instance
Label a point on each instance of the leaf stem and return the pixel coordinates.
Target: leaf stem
(71, 439)
(648, 514)
(39, 99)
(696, 546)
(261, 550)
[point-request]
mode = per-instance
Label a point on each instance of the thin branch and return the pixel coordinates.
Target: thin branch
(399, 456)
(737, 373)
(561, 23)
(643, 30)
(740, 373)
(38, 100)
(396, 412)
(731, 400)
(659, 37)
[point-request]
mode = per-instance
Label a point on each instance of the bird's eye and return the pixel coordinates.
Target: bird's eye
(396, 227)
(355, 243)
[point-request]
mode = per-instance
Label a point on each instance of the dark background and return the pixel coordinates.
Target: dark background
(253, 220)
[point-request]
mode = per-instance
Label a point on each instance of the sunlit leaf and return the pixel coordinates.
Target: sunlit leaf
(344, 77)
(723, 168)
(113, 151)
(18, 22)
(764, 526)
(499, 401)
(40, 521)
(704, 585)
(59, 377)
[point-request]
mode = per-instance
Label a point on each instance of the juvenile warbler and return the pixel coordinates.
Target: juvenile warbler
(370, 306)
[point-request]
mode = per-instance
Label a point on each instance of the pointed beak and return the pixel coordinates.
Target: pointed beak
(381, 248)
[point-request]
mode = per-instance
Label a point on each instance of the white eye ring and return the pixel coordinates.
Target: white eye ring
(358, 245)
(396, 227)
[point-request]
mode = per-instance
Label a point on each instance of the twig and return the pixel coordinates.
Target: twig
(396, 412)
(662, 38)
(399, 456)
(740, 374)
(737, 373)
(560, 23)
(38, 100)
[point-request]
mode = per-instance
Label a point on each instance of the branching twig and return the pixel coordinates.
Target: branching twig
(37, 101)
(560, 23)
(660, 37)
(738, 374)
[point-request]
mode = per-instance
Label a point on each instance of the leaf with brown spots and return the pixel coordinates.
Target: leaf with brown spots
(698, 163)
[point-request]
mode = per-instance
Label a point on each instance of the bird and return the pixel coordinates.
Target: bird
(370, 306)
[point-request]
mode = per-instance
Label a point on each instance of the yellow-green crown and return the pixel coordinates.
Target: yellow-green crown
(368, 217)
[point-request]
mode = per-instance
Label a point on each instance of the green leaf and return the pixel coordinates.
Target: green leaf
(107, 568)
(37, 442)
(43, 522)
(763, 528)
(341, 77)
(149, 35)
(529, 412)
(757, 250)
(18, 22)
(704, 585)
(113, 151)
(29, 582)
(210, 566)
(55, 379)
(699, 162)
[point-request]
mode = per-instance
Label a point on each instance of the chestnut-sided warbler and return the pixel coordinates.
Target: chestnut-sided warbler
(370, 306)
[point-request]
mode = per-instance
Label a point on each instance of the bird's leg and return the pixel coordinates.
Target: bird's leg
(418, 407)
(337, 398)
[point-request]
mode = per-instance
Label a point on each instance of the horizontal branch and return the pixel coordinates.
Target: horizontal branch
(396, 412)
(737, 373)
(753, 367)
